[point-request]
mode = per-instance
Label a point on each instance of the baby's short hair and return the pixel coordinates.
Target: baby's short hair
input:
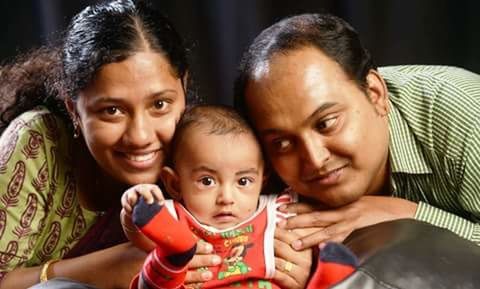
(214, 119)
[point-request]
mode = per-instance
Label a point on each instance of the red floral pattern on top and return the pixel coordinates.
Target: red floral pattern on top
(30, 150)
(14, 186)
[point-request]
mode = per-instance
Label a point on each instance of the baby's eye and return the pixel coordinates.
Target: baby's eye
(244, 181)
(207, 181)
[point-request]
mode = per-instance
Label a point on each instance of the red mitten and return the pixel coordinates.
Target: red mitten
(165, 267)
(335, 263)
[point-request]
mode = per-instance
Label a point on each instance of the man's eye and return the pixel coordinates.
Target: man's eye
(244, 181)
(281, 145)
(207, 181)
(326, 124)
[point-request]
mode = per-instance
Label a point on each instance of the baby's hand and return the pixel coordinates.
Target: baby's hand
(148, 191)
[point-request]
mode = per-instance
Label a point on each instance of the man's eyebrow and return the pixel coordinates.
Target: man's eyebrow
(319, 110)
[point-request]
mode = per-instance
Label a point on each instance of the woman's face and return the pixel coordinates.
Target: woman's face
(127, 116)
(325, 137)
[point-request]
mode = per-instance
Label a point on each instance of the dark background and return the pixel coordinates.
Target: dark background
(395, 31)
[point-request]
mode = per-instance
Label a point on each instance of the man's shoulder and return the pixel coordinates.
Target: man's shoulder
(421, 68)
(448, 89)
(437, 105)
(434, 73)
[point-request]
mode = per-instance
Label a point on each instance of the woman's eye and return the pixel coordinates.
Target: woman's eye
(111, 110)
(160, 104)
(244, 181)
(207, 181)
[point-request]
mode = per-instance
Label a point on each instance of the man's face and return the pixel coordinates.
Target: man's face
(324, 136)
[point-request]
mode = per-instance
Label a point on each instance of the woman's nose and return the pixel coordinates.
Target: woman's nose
(139, 131)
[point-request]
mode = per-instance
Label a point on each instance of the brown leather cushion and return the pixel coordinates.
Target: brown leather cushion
(406, 254)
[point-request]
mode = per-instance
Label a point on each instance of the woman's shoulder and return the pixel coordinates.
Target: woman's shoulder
(37, 122)
(39, 118)
(31, 134)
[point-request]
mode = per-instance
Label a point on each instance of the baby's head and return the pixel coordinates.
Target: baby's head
(216, 168)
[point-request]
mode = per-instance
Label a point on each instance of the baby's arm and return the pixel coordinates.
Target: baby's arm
(166, 266)
(130, 198)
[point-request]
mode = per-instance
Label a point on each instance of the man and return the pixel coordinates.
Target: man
(367, 145)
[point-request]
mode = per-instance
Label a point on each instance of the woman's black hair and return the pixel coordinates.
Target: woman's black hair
(100, 34)
(330, 34)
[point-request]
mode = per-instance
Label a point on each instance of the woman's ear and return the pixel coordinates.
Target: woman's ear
(377, 92)
(266, 176)
(70, 106)
(72, 112)
(185, 82)
(171, 182)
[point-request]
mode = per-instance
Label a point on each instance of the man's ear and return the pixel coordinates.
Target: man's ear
(171, 182)
(377, 92)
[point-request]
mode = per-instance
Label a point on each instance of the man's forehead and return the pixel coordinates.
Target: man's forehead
(261, 69)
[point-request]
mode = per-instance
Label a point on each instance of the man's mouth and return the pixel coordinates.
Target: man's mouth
(330, 177)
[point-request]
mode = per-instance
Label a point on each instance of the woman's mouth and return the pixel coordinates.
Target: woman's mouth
(141, 161)
(140, 157)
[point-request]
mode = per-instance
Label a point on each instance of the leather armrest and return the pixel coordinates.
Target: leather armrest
(406, 254)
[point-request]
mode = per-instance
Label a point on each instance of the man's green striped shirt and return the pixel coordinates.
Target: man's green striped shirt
(435, 144)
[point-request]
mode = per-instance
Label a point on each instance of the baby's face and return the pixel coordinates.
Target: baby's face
(220, 177)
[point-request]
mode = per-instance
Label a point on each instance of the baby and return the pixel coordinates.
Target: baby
(215, 174)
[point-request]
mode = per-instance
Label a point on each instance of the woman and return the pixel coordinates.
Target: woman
(85, 121)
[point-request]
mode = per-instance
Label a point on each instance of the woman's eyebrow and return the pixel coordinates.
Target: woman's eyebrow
(115, 99)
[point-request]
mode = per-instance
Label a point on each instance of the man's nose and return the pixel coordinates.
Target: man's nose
(314, 152)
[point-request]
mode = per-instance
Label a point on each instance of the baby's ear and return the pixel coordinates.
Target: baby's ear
(171, 182)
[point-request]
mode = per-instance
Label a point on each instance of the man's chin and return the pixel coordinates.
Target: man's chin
(329, 201)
